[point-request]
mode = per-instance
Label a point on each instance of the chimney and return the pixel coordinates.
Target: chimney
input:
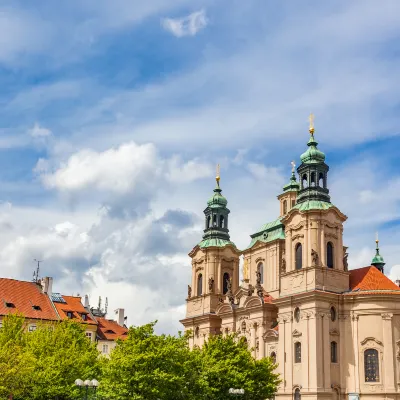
(86, 303)
(120, 316)
(47, 285)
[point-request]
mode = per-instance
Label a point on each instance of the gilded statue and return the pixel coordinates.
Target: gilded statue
(246, 270)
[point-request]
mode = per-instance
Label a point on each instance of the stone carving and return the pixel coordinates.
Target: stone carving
(315, 258)
(345, 263)
(258, 277)
(250, 290)
(246, 270)
(283, 264)
(211, 284)
(189, 291)
(260, 292)
(229, 293)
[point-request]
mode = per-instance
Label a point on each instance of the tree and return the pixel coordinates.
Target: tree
(146, 366)
(226, 362)
(45, 363)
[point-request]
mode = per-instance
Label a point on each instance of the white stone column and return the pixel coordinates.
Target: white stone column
(354, 318)
(336, 249)
(388, 353)
(340, 250)
(281, 370)
(306, 249)
(253, 339)
(322, 245)
(326, 352)
(288, 252)
(261, 343)
(306, 352)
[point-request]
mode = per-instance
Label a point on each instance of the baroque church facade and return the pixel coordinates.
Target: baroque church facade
(334, 332)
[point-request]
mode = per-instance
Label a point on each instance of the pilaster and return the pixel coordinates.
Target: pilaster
(388, 352)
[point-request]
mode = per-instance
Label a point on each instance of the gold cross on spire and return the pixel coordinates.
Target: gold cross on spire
(293, 164)
(311, 119)
(218, 174)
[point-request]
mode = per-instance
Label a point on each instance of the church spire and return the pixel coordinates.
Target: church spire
(313, 172)
(378, 261)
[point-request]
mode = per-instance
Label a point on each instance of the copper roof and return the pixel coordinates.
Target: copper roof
(25, 298)
(109, 329)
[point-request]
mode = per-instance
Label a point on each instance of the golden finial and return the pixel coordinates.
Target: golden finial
(376, 238)
(311, 119)
(218, 174)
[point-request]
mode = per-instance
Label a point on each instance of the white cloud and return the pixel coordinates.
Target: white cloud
(186, 26)
(39, 131)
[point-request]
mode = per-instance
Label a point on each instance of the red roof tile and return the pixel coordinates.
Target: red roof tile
(268, 298)
(109, 329)
(26, 298)
(371, 279)
(74, 305)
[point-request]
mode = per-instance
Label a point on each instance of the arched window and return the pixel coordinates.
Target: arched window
(215, 220)
(297, 352)
(208, 221)
(333, 313)
(333, 352)
(304, 181)
(297, 314)
(299, 256)
(284, 207)
(221, 221)
(243, 327)
(225, 281)
(371, 365)
(273, 357)
(260, 268)
(312, 179)
(329, 255)
(200, 285)
(321, 179)
(297, 394)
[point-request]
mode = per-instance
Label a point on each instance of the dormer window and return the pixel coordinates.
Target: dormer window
(37, 308)
(70, 314)
(9, 304)
(84, 317)
(110, 331)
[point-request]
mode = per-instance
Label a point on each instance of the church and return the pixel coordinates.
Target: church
(334, 332)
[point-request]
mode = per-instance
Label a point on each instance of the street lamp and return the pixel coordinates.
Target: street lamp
(236, 392)
(87, 384)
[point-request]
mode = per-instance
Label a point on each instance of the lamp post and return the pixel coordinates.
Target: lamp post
(87, 384)
(236, 392)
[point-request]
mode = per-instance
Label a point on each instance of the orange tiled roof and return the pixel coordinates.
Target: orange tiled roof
(74, 305)
(109, 329)
(372, 280)
(25, 298)
(268, 298)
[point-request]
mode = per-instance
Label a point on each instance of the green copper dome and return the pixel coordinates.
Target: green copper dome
(378, 260)
(293, 185)
(312, 155)
(217, 200)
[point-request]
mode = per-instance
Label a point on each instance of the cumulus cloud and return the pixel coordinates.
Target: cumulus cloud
(186, 26)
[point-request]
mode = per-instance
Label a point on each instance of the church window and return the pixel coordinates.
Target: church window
(299, 256)
(284, 207)
(329, 255)
(215, 220)
(200, 285)
(371, 365)
(208, 221)
(243, 327)
(273, 357)
(221, 221)
(333, 313)
(225, 282)
(297, 314)
(297, 394)
(333, 352)
(312, 178)
(304, 181)
(297, 352)
(321, 179)
(260, 268)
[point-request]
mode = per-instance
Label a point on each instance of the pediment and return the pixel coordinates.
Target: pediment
(271, 334)
(334, 332)
(371, 339)
(223, 308)
(253, 301)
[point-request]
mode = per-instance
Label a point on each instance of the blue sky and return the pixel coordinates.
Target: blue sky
(114, 114)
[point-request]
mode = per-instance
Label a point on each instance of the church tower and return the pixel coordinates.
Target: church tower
(215, 270)
(314, 230)
(378, 261)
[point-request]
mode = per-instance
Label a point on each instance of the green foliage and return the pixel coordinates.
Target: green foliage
(44, 364)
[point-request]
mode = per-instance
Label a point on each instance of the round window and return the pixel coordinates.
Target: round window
(333, 313)
(297, 314)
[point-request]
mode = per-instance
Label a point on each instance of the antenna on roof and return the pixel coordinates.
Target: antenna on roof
(106, 306)
(36, 273)
(99, 306)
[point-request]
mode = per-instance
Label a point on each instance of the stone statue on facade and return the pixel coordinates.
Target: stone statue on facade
(283, 264)
(315, 258)
(246, 270)
(189, 291)
(345, 263)
(229, 293)
(258, 277)
(211, 284)
(260, 292)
